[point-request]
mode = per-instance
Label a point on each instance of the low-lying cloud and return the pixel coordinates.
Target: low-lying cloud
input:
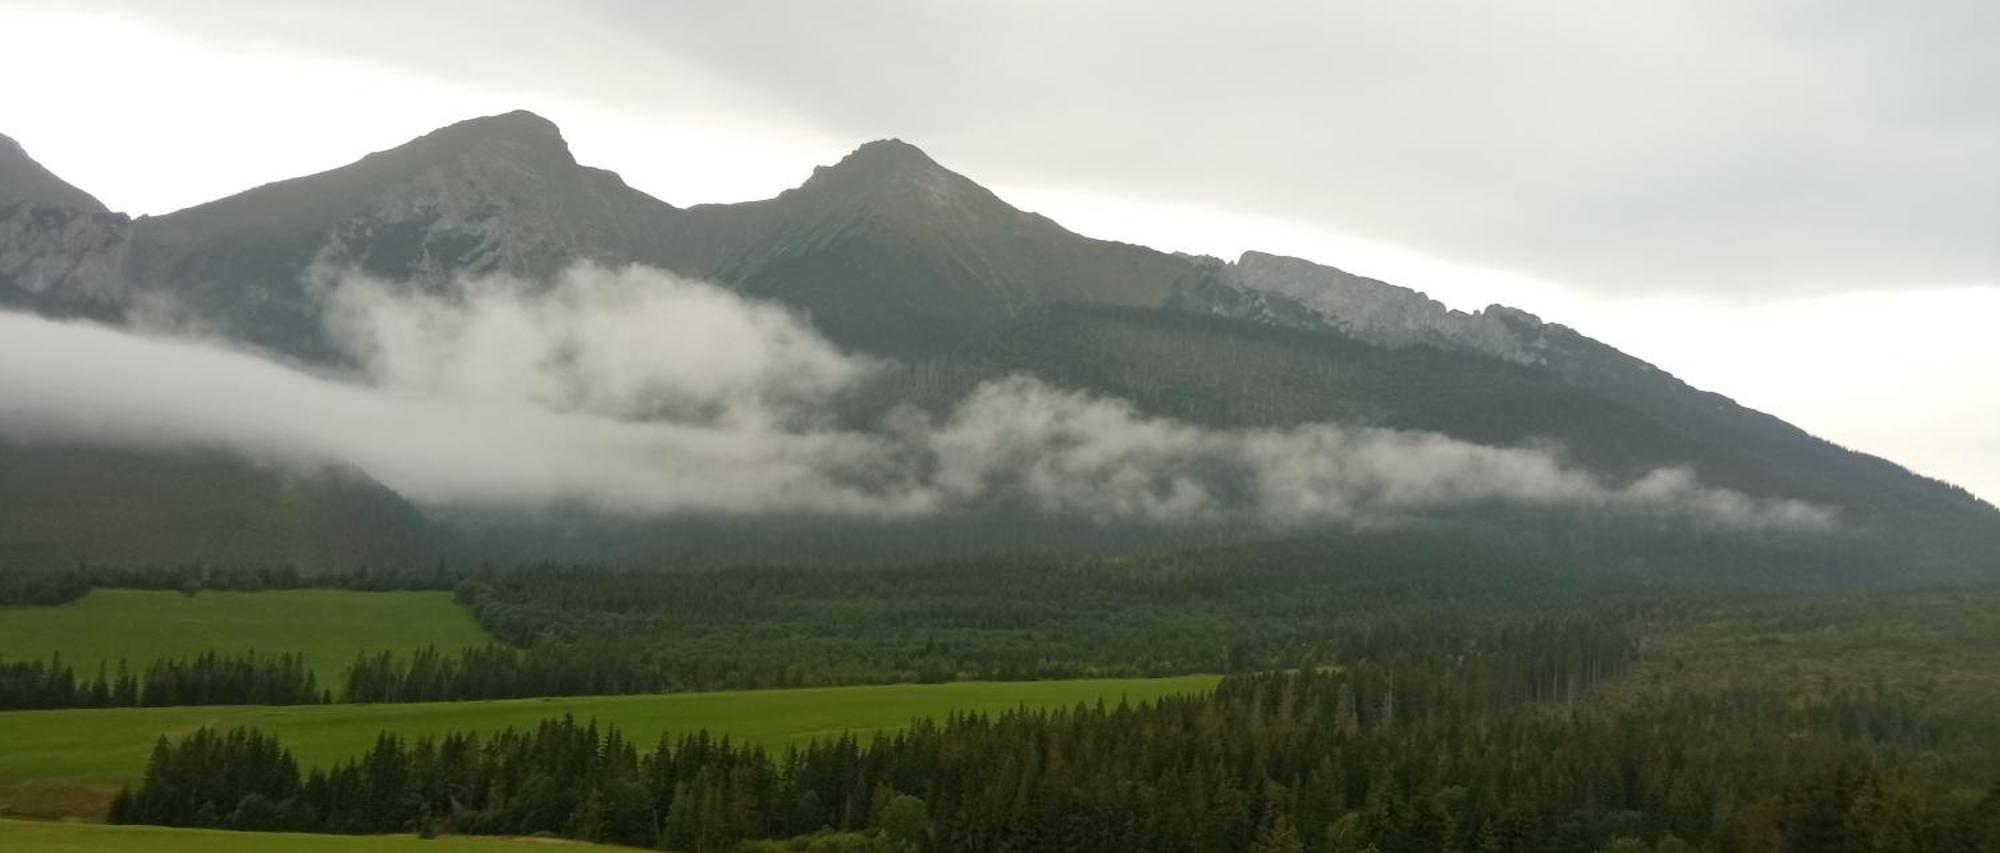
(637, 392)
(635, 344)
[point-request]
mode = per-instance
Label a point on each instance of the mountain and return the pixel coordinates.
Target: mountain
(1747, 445)
(892, 254)
(493, 195)
(60, 249)
(24, 181)
(1295, 292)
(64, 254)
(63, 506)
(888, 251)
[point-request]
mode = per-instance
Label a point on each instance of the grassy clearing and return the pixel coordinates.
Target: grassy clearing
(58, 763)
(327, 626)
(97, 838)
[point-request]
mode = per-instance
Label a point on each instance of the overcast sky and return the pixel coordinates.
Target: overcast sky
(1796, 204)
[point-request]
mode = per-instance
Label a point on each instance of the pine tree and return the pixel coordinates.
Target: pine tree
(1276, 835)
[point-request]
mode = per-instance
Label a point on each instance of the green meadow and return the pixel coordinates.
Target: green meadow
(327, 626)
(47, 837)
(69, 762)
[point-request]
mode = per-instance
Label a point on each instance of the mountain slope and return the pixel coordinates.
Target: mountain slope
(1301, 294)
(60, 250)
(892, 254)
(889, 252)
(499, 194)
(24, 181)
(61, 506)
(1907, 504)
(63, 254)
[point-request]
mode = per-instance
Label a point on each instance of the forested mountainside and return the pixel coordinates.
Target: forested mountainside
(65, 506)
(893, 256)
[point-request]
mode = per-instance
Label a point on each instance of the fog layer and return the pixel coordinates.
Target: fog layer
(637, 392)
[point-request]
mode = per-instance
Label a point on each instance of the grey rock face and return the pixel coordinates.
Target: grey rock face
(64, 260)
(60, 251)
(1291, 291)
(467, 217)
(495, 194)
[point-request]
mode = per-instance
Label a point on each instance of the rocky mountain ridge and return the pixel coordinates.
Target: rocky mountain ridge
(892, 254)
(503, 195)
(24, 181)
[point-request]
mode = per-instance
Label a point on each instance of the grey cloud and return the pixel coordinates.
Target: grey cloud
(637, 392)
(1726, 148)
(71, 382)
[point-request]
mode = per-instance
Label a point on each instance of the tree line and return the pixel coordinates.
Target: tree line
(21, 587)
(568, 630)
(205, 679)
(1408, 753)
(1586, 652)
(581, 631)
(44, 587)
(1280, 606)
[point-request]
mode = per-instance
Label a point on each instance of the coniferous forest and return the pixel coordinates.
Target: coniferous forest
(207, 679)
(1526, 706)
(573, 631)
(1484, 753)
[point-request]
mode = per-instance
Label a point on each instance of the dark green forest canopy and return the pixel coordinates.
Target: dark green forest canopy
(579, 630)
(1490, 752)
(1416, 707)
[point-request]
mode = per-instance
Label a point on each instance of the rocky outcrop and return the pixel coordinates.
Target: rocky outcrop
(64, 261)
(1291, 291)
(61, 252)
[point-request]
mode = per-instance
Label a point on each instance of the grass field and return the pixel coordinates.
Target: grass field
(57, 763)
(327, 626)
(45, 837)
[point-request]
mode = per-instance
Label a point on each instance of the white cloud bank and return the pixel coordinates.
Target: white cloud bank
(637, 392)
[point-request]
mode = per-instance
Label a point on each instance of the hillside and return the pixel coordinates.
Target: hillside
(890, 254)
(24, 181)
(493, 195)
(62, 506)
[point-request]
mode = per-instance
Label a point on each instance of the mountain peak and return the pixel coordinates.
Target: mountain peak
(519, 131)
(510, 122)
(22, 180)
(891, 153)
(894, 169)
